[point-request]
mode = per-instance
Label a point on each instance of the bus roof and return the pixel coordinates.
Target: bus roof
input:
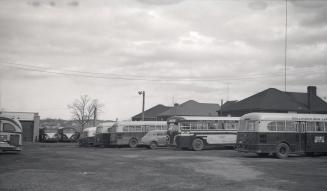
(90, 129)
(106, 124)
(142, 123)
(203, 118)
(285, 116)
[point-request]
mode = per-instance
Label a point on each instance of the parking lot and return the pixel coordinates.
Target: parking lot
(65, 166)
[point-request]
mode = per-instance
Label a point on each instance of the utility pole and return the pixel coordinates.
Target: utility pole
(143, 95)
(285, 61)
(0, 94)
(221, 107)
(95, 116)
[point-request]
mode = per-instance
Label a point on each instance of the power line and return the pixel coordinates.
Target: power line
(120, 77)
(131, 78)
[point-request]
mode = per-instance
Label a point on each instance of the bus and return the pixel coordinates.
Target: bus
(102, 135)
(11, 137)
(87, 137)
(282, 133)
(68, 134)
(131, 132)
(199, 132)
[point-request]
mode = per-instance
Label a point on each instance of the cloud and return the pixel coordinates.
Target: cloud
(160, 2)
(190, 49)
(258, 5)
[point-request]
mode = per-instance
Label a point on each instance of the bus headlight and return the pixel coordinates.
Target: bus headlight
(3, 137)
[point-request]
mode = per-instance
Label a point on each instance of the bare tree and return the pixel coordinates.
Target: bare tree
(84, 110)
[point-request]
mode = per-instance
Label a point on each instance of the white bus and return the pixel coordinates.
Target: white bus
(282, 133)
(131, 132)
(198, 132)
(11, 138)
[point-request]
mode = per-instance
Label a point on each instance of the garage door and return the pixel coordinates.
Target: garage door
(28, 127)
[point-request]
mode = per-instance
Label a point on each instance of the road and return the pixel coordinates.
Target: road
(60, 166)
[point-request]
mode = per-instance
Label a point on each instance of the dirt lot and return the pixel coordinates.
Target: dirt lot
(63, 167)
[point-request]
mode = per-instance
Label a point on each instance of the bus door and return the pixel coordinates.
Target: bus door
(300, 136)
(315, 137)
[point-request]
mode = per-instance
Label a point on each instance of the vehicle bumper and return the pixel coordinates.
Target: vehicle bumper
(4, 146)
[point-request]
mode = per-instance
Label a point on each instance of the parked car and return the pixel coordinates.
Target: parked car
(51, 134)
(155, 138)
(68, 134)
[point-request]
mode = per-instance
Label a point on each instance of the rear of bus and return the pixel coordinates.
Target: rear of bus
(102, 134)
(247, 135)
(10, 135)
(173, 130)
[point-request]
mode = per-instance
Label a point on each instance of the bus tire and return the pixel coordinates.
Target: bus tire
(197, 144)
(133, 143)
(153, 145)
(282, 150)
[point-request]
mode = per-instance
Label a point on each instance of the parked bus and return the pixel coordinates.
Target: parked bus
(68, 134)
(131, 132)
(102, 135)
(51, 134)
(87, 137)
(282, 133)
(198, 132)
(11, 138)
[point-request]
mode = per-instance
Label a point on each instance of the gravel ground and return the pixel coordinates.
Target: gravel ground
(65, 166)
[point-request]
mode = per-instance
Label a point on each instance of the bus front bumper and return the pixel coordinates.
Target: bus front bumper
(4, 146)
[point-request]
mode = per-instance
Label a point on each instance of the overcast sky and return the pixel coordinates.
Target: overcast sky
(51, 52)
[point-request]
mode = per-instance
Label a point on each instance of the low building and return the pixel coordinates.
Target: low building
(30, 122)
(274, 100)
(151, 114)
(191, 108)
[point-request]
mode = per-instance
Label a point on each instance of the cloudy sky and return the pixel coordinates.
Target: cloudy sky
(53, 51)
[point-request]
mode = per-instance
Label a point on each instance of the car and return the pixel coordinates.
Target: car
(155, 138)
(51, 134)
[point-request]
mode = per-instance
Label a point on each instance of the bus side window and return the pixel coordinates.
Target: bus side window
(211, 125)
(311, 126)
(319, 126)
(272, 126)
(290, 126)
(280, 125)
(193, 125)
(185, 125)
(125, 128)
(325, 126)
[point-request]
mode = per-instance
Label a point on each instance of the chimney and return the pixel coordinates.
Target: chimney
(311, 93)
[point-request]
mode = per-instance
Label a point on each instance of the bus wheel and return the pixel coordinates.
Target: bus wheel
(282, 150)
(153, 145)
(197, 144)
(133, 143)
